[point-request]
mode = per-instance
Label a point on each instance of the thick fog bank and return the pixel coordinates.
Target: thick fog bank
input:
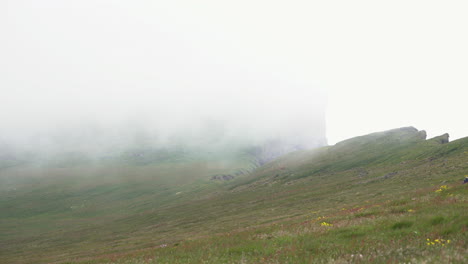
(283, 126)
(102, 76)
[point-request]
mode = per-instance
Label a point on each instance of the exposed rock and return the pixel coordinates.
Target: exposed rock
(390, 175)
(443, 139)
(362, 172)
(222, 177)
(422, 134)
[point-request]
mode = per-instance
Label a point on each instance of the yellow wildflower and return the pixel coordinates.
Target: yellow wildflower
(325, 224)
(442, 188)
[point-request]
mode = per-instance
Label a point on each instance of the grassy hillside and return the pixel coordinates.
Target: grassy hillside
(46, 208)
(388, 197)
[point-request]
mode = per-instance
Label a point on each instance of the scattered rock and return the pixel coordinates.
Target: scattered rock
(222, 177)
(390, 175)
(363, 173)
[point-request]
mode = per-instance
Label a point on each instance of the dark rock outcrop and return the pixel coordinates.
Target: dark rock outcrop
(443, 139)
(222, 177)
(422, 134)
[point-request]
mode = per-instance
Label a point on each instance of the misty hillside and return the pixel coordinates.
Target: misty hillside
(233, 132)
(368, 195)
(93, 144)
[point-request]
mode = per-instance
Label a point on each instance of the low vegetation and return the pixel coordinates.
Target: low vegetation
(390, 197)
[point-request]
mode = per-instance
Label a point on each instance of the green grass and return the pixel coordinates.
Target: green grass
(378, 195)
(381, 237)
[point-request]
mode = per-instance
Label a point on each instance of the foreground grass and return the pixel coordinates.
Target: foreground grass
(424, 227)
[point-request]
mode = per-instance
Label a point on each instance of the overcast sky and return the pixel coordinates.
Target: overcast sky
(374, 65)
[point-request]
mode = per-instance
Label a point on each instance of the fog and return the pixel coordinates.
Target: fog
(89, 75)
(257, 69)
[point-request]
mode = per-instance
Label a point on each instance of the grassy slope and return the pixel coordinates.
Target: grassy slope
(377, 192)
(46, 210)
